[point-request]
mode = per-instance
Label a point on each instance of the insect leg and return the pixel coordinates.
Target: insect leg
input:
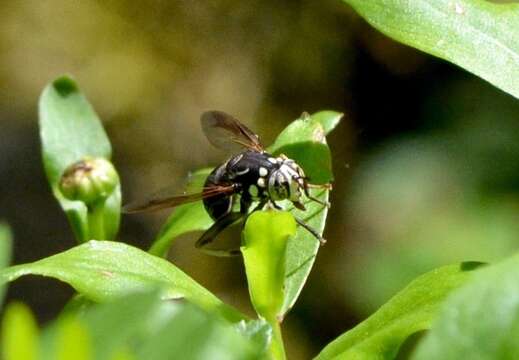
(324, 203)
(311, 230)
(210, 235)
(327, 186)
(323, 186)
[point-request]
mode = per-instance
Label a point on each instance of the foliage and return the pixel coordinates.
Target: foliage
(153, 329)
(481, 36)
(76, 151)
(410, 311)
(121, 311)
(104, 270)
(481, 320)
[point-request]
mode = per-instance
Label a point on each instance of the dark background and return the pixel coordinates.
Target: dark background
(425, 160)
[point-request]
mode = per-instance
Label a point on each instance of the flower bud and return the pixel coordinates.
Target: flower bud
(89, 180)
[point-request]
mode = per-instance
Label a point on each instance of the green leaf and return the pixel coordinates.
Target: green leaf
(258, 331)
(141, 313)
(298, 141)
(70, 131)
(104, 270)
(481, 36)
(193, 334)
(78, 304)
(304, 141)
(328, 119)
(264, 253)
(143, 326)
(111, 328)
(184, 218)
(411, 310)
(480, 320)
(5, 252)
(19, 333)
(72, 341)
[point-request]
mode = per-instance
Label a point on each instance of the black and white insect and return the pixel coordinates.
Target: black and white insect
(252, 175)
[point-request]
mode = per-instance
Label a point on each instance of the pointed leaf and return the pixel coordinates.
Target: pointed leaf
(409, 311)
(104, 270)
(264, 253)
(328, 119)
(304, 140)
(481, 36)
(480, 320)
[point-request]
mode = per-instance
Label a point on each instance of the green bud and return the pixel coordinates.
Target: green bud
(89, 180)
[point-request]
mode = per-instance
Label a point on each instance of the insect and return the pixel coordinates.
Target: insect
(252, 175)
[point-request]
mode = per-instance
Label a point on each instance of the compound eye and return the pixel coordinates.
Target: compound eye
(281, 187)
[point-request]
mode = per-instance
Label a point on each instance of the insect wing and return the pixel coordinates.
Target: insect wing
(157, 203)
(226, 133)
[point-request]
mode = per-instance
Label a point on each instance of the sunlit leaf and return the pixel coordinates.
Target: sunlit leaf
(411, 310)
(328, 119)
(70, 131)
(104, 270)
(142, 325)
(73, 341)
(78, 304)
(141, 313)
(193, 334)
(19, 334)
(296, 141)
(481, 36)
(264, 253)
(480, 320)
(305, 141)
(258, 331)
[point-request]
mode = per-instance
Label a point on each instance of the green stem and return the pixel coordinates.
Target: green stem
(277, 349)
(96, 225)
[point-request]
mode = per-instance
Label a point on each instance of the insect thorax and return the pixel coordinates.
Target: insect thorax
(259, 175)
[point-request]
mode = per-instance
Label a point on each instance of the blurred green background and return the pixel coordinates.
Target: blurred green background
(425, 161)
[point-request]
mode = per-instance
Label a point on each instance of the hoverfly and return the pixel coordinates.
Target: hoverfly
(252, 174)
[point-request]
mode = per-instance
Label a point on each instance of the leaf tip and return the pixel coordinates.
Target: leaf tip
(65, 85)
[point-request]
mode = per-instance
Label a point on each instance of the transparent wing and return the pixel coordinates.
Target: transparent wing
(225, 132)
(155, 203)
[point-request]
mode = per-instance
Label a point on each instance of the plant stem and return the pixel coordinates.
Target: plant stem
(277, 349)
(96, 226)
